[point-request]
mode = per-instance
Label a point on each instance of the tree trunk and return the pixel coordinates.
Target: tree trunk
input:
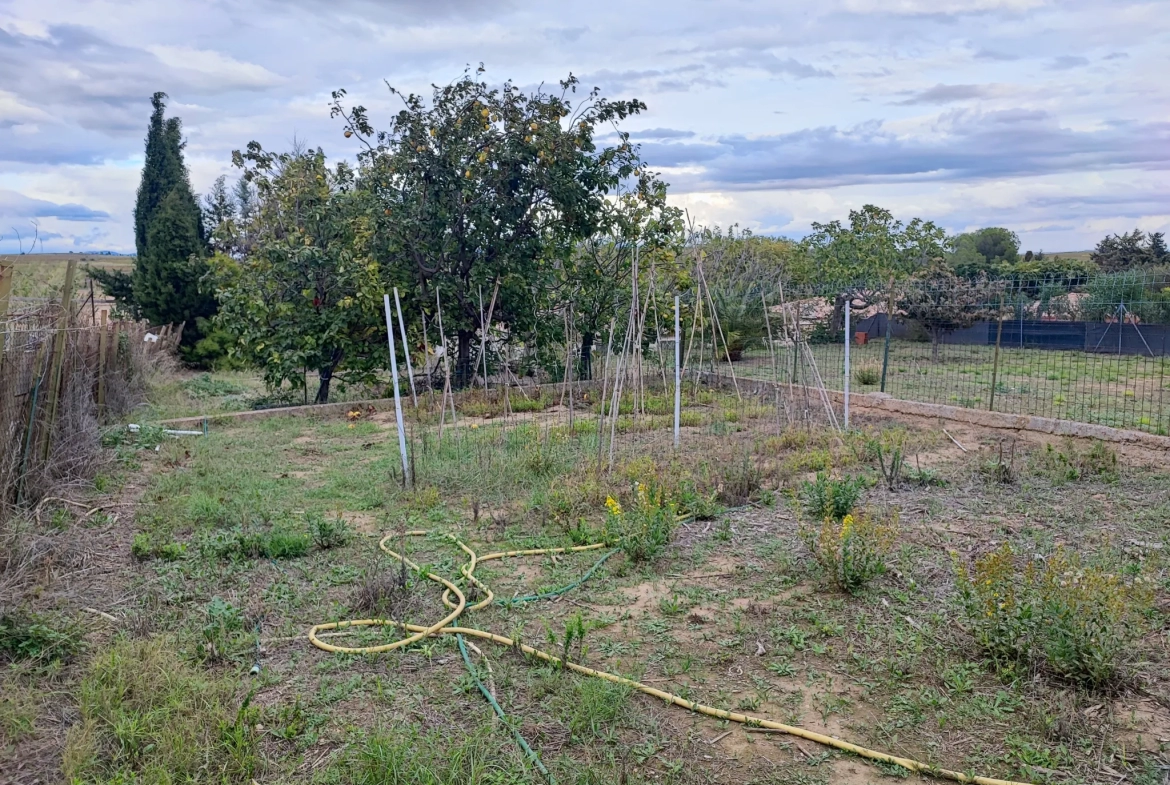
(325, 373)
(585, 371)
(935, 339)
(464, 373)
(837, 321)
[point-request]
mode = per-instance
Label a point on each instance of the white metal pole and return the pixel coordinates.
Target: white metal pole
(847, 341)
(405, 348)
(397, 398)
(677, 371)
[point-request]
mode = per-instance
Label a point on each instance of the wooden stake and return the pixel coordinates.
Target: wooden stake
(59, 351)
(427, 359)
(446, 371)
(101, 366)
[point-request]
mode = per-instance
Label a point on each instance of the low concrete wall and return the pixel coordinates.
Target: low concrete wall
(313, 410)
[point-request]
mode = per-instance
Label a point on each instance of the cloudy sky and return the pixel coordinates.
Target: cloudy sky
(1051, 117)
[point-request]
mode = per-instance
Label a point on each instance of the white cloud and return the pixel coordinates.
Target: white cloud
(209, 69)
(971, 112)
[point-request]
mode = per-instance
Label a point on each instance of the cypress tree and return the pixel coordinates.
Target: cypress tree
(166, 285)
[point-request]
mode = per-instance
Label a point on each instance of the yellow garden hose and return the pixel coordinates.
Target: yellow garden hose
(459, 605)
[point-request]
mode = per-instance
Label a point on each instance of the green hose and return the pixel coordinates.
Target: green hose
(532, 756)
(562, 590)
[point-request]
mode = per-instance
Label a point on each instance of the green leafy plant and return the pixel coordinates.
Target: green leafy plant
(146, 716)
(1078, 619)
(853, 550)
(867, 375)
(741, 319)
(1001, 469)
(328, 533)
(643, 530)
(829, 498)
(36, 636)
(1068, 463)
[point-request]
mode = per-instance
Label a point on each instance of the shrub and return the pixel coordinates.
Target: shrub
(223, 634)
(282, 543)
(1069, 464)
(853, 550)
(867, 375)
(829, 498)
(692, 502)
(328, 533)
(242, 543)
(1002, 469)
(739, 481)
(645, 528)
(204, 386)
(1078, 619)
(144, 547)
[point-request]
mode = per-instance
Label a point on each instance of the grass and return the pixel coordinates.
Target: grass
(1128, 391)
(731, 611)
(148, 717)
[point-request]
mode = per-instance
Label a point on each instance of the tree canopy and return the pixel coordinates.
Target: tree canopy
(990, 251)
(485, 186)
(308, 296)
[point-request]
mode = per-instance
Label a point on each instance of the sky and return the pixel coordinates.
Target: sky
(1049, 117)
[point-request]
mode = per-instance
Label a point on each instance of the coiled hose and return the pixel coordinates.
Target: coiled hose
(455, 601)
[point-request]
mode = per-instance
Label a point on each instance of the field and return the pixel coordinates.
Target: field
(40, 276)
(179, 607)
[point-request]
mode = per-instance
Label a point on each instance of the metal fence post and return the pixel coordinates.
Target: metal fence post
(889, 328)
(847, 325)
(995, 361)
(397, 396)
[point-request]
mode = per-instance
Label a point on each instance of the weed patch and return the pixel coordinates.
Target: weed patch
(826, 498)
(852, 550)
(28, 636)
(147, 717)
(1078, 619)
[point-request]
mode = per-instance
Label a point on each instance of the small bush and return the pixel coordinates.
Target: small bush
(867, 375)
(643, 530)
(27, 636)
(739, 481)
(144, 547)
(204, 386)
(829, 498)
(328, 533)
(397, 754)
(224, 635)
(692, 502)
(1068, 464)
(853, 550)
(1078, 619)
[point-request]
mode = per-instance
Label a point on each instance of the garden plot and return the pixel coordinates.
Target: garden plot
(787, 574)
